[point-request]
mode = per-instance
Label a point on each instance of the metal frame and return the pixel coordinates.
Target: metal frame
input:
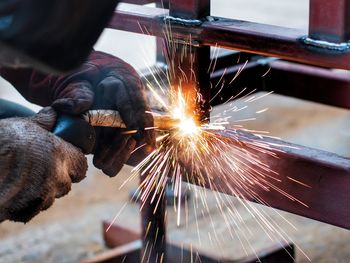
(267, 40)
(326, 45)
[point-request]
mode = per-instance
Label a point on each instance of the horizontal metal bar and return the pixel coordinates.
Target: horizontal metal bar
(326, 86)
(128, 253)
(245, 36)
(326, 175)
(309, 83)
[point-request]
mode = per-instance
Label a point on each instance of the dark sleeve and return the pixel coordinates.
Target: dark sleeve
(33, 86)
(43, 89)
(54, 35)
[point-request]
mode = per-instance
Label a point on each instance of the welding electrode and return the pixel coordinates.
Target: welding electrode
(79, 131)
(111, 118)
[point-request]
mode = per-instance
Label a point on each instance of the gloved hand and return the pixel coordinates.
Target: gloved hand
(36, 166)
(103, 82)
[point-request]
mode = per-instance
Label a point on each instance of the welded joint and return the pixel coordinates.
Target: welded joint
(182, 21)
(266, 60)
(190, 42)
(171, 20)
(340, 47)
(188, 22)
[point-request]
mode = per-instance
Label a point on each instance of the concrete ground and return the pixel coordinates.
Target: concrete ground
(71, 230)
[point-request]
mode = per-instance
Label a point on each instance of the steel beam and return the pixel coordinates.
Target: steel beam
(245, 36)
(153, 225)
(190, 63)
(326, 86)
(325, 179)
(330, 20)
(309, 83)
(190, 9)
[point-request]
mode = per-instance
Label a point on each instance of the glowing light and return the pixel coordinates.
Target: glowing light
(194, 152)
(187, 126)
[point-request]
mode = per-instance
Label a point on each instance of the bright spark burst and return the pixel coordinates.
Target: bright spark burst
(213, 156)
(219, 158)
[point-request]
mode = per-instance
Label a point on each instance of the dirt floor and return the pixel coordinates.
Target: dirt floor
(72, 231)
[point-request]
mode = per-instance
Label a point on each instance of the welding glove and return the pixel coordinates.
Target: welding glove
(35, 166)
(103, 82)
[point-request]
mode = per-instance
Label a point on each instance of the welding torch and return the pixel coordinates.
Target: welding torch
(79, 131)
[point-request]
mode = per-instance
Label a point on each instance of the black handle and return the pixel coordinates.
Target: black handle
(76, 131)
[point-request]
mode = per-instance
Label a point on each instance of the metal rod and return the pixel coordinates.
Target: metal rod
(309, 83)
(330, 20)
(112, 119)
(186, 60)
(189, 9)
(325, 179)
(153, 226)
(189, 75)
(190, 63)
(245, 36)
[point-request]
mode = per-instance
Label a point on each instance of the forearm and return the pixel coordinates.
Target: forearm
(42, 89)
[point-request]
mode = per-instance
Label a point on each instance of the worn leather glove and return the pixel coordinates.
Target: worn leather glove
(35, 166)
(103, 82)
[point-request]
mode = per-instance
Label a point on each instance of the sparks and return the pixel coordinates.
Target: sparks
(194, 152)
(187, 125)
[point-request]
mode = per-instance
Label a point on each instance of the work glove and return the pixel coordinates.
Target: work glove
(103, 82)
(35, 166)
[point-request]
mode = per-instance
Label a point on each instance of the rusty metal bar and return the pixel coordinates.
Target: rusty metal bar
(127, 253)
(245, 36)
(330, 20)
(326, 179)
(153, 225)
(160, 42)
(185, 60)
(190, 75)
(327, 86)
(191, 9)
(190, 63)
(309, 83)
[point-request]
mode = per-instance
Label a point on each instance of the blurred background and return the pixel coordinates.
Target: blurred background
(71, 230)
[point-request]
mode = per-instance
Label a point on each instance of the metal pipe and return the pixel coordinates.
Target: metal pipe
(330, 20)
(267, 40)
(111, 118)
(319, 179)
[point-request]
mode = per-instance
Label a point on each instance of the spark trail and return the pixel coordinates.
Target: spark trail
(193, 152)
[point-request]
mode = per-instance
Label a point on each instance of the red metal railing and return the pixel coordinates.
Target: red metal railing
(326, 46)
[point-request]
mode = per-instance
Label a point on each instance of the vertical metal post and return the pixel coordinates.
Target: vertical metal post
(192, 64)
(153, 213)
(330, 20)
(160, 42)
(153, 225)
(191, 61)
(190, 9)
